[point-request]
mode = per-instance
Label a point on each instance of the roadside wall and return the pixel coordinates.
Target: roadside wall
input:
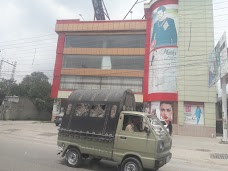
(22, 110)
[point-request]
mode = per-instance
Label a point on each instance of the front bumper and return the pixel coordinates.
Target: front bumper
(162, 161)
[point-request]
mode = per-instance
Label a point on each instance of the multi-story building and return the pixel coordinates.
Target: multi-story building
(164, 57)
(99, 55)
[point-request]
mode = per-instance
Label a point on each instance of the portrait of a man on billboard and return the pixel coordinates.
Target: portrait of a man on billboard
(164, 31)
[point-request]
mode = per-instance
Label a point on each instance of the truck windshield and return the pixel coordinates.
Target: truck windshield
(157, 125)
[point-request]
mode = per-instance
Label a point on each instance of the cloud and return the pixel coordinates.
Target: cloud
(34, 19)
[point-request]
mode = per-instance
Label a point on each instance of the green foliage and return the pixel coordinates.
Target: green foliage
(7, 88)
(34, 86)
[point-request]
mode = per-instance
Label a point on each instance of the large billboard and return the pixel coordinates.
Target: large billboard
(193, 113)
(163, 29)
(218, 61)
(214, 68)
(163, 49)
(160, 76)
(164, 110)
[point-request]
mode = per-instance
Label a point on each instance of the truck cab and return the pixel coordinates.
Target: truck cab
(103, 124)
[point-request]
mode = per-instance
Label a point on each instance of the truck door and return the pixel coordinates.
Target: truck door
(131, 140)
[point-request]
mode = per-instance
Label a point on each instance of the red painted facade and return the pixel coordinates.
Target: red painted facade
(154, 96)
(58, 66)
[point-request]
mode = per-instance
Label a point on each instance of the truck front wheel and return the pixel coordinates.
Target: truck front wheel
(73, 157)
(131, 164)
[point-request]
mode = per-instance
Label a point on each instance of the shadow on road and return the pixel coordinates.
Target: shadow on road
(92, 165)
(89, 164)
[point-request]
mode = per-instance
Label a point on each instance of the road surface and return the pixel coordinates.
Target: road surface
(22, 154)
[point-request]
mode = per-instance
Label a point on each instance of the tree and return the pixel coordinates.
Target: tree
(34, 86)
(8, 87)
(38, 89)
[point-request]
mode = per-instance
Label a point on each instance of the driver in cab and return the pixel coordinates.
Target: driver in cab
(135, 125)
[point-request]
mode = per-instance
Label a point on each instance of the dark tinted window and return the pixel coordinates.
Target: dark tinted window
(82, 109)
(69, 107)
(105, 41)
(128, 62)
(84, 82)
(103, 62)
(98, 111)
(113, 111)
(81, 61)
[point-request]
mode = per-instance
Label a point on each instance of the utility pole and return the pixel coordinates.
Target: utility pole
(13, 71)
(224, 110)
(10, 63)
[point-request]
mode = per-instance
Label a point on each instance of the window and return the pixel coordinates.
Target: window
(129, 103)
(98, 111)
(134, 124)
(103, 62)
(105, 41)
(86, 82)
(69, 107)
(82, 61)
(113, 111)
(127, 62)
(82, 109)
(157, 126)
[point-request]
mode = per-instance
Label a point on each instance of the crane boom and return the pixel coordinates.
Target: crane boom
(100, 10)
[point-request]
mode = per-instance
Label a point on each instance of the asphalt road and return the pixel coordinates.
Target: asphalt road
(18, 154)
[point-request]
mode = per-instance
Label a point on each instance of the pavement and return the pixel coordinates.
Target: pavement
(194, 149)
(200, 149)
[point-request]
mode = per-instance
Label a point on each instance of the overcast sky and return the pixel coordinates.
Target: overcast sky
(27, 33)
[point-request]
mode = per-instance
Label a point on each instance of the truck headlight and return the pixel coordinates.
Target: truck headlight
(61, 146)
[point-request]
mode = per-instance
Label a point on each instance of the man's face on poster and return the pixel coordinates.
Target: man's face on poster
(166, 112)
(161, 15)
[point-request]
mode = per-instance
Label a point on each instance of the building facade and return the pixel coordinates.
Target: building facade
(99, 55)
(180, 37)
(163, 59)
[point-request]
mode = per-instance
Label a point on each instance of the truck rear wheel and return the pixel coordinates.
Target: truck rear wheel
(131, 164)
(73, 157)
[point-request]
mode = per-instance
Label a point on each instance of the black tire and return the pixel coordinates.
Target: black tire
(73, 157)
(133, 163)
(57, 124)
